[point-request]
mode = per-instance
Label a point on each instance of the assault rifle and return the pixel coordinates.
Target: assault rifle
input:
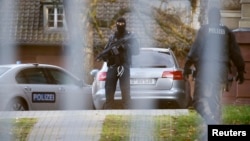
(112, 48)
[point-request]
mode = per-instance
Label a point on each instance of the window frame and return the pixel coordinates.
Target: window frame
(55, 8)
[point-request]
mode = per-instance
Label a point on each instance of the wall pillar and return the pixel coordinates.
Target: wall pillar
(245, 14)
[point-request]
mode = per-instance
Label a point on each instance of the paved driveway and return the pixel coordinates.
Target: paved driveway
(83, 125)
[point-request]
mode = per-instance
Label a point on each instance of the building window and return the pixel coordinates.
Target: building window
(54, 17)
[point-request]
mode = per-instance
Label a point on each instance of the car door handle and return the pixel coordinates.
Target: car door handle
(61, 89)
(28, 89)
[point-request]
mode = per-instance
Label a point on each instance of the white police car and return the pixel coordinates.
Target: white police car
(41, 87)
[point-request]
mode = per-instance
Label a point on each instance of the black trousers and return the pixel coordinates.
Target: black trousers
(207, 101)
(110, 87)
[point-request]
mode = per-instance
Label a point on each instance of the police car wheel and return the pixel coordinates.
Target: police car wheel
(17, 104)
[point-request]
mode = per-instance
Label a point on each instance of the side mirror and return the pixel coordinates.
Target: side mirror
(94, 72)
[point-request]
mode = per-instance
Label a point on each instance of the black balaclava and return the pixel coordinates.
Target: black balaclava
(121, 26)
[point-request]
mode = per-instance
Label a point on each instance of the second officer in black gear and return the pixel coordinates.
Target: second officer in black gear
(213, 49)
(119, 61)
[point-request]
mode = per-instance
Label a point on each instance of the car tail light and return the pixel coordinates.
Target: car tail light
(102, 76)
(176, 75)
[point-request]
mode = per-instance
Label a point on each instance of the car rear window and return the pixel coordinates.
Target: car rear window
(3, 70)
(155, 59)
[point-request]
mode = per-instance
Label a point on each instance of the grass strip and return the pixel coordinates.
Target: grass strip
(16, 129)
(177, 128)
(116, 128)
(236, 114)
(167, 127)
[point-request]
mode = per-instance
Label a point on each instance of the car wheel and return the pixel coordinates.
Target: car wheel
(17, 104)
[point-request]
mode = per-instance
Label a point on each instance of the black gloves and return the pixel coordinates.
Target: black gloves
(240, 77)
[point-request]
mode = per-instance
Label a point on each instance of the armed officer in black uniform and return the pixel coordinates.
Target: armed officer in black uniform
(213, 49)
(118, 54)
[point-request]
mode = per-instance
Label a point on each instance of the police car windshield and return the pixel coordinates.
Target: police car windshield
(152, 59)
